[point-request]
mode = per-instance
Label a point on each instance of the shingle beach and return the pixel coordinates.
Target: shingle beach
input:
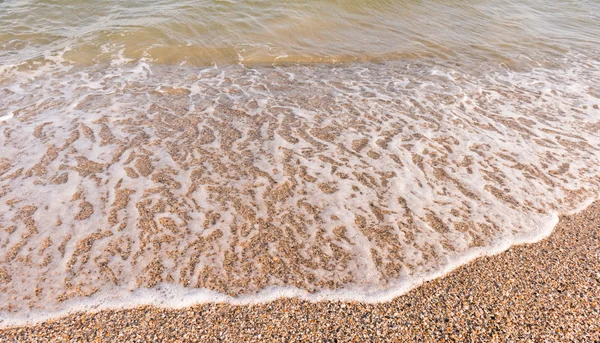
(543, 292)
(300, 171)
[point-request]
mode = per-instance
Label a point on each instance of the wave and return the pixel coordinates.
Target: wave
(138, 183)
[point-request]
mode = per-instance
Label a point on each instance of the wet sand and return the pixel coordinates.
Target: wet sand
(321, 177)
(543, 292)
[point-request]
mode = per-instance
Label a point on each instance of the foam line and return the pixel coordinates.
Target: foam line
(136, 183)
(177, 297)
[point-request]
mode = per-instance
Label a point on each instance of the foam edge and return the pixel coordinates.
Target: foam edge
(176, 297)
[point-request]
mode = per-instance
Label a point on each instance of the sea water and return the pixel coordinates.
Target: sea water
(240, 151)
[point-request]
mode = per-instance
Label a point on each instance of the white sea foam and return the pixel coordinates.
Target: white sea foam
(177, 297)
(352, 182)
(6, 117)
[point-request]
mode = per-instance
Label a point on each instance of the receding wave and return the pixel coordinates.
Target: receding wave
(352, 180)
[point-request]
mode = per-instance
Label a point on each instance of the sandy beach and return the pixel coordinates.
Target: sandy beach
(543, 292)
(179, 172)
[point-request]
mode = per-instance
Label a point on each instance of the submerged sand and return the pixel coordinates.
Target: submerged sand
(331, 177)
(543, 292)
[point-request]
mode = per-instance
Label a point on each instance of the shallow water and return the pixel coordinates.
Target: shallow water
(224, 32)
(241, 150)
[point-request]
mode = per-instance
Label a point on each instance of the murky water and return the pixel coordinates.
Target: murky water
(173, 152)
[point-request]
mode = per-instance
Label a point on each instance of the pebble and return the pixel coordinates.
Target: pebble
(538, 292)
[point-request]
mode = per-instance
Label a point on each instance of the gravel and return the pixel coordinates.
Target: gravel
(543, 292)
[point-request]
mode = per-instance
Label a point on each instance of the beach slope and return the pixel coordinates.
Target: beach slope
(543, 292)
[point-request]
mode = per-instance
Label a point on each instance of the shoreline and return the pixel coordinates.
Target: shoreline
(549, 290)
(174, 297)
(313, 185)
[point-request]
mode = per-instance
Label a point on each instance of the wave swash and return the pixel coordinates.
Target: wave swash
(137, 183)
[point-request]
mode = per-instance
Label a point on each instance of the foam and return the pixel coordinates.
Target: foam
(176, 297)
(7, 117)
(426, 167)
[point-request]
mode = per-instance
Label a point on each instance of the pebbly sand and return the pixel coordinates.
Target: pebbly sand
(238, 179)
(543, 292)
